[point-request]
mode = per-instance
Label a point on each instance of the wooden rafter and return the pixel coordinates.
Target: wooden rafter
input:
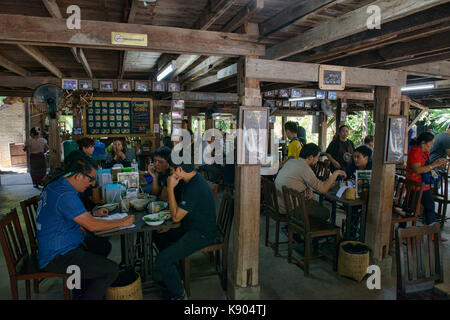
(244, 15)
(55, 12)
(42, 59)
(440, 69)
(286, 17)
(203, 68)
(347, 25)
(212, 14)
(11, 66)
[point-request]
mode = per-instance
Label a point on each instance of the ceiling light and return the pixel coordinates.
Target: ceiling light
(418, 87)
(168, 69)
(303, 99)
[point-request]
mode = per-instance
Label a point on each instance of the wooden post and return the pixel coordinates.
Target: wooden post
(323, 131)
(246, 229)
(380, 199)
(156, 120)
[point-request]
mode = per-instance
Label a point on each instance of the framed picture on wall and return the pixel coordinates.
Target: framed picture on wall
(158, 86)
(173, 87)
(253, 138)
(69, 84)
(124, 85)
(85, 84)
(394, 145)
(106, 85)
(141, 86)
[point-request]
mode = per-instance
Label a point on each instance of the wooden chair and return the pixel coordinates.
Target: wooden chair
(309, 227)
(440, 195)
(220, 248)
(270, 204)
(214, 188)
(21, 265)
(406, 207)
(29, 210)
(419, 262)
(322, 170)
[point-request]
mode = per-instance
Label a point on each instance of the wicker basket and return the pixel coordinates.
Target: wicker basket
(132, 291)
(351, 265)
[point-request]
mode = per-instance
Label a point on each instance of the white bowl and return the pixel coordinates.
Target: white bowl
(154, 216)
(139, 204)
(109, 206)
(160, 205)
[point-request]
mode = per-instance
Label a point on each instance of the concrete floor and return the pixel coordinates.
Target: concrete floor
(278, 279)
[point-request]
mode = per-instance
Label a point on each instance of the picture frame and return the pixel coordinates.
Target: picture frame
(106, 85)
(331, 77)
(320, 95)
(269, 94)
(286, 103)
(124, 85)
(253, 137)
(141, 86)
(177, 105)
(177, 115)
(85, 84)
(332, 95)
(173, 87)
(396, 133)
(158, 86)
(296, 93)
(69, 84)
(283, 93)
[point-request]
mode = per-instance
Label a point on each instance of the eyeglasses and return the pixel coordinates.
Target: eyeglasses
(91, 179)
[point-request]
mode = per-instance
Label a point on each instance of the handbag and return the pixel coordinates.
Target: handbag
(431, 177)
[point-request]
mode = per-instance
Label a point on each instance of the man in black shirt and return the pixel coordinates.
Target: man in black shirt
(197, 213)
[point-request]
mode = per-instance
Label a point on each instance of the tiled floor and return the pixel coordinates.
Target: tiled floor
(277, 278)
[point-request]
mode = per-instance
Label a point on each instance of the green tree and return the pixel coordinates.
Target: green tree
(438, 119)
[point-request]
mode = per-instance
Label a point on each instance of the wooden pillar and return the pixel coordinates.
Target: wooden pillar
(341, 108)
(246, 229)
(190, 121)
(323, 131)
(209, 123)
(382, 186)
(156, 120)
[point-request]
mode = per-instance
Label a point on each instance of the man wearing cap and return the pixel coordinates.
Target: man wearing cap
(196, 212)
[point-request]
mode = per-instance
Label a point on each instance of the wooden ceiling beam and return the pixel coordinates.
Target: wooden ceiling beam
(13, 67)
(97, 34)
(244, 15)
(212, 13)
(398, 51)
(346, 25)
(223, 74)
(291, 14)
(439, 69)
(392, 32)
(55, 12)
(205, 96)
(42, 59)
(204, 67)
(292, 72)
(123, 56)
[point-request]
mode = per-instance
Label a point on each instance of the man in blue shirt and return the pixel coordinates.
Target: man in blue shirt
(60, 222)
(197, 213)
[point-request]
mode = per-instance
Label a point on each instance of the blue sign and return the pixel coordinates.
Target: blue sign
(332, 95)
(320, 94)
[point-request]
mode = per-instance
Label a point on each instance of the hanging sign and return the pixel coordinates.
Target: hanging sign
(331, 77)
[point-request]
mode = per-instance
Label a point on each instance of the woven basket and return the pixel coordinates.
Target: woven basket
(351, 265)
(133, 291)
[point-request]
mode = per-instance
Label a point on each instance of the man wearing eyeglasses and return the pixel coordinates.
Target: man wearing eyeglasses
(60, 221)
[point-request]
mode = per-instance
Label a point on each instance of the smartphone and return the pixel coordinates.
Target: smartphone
(148, 178)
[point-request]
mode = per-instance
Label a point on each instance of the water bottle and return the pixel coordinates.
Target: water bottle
(134, 165)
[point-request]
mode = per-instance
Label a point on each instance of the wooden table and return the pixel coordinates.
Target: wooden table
(129, 246)
(348, 209)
